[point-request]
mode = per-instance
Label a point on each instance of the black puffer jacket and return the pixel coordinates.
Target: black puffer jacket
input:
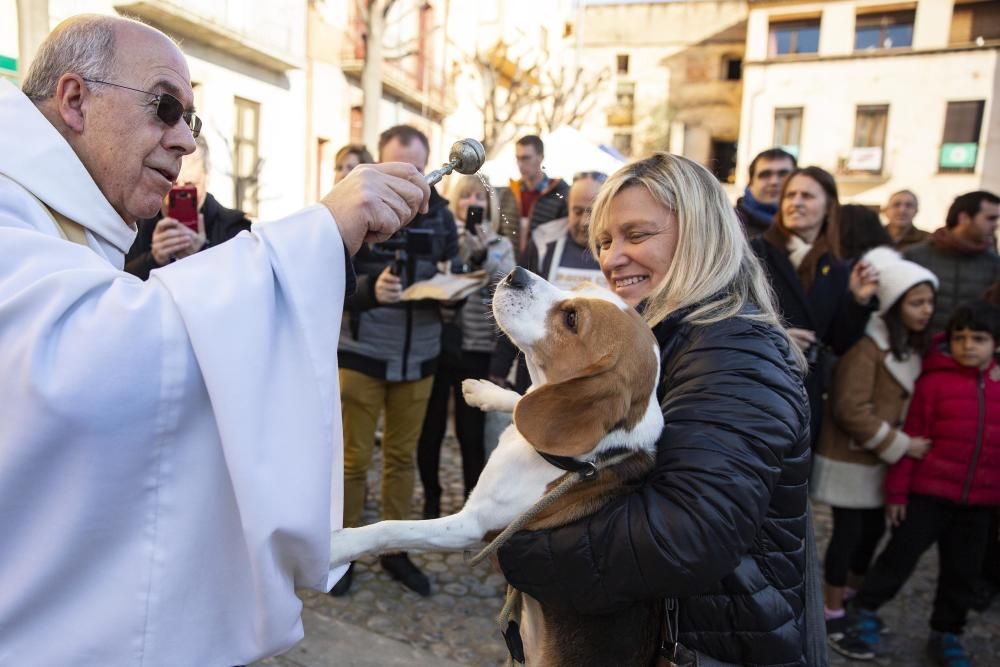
(719, 522)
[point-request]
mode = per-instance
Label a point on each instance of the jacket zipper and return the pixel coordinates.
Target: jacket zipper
(979, 439)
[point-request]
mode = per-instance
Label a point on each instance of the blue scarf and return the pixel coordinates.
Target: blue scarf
(757, 214)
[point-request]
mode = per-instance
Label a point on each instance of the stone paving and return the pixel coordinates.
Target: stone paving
(456, 624)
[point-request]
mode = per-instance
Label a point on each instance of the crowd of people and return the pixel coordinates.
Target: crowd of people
(903, 420)
(841, 359)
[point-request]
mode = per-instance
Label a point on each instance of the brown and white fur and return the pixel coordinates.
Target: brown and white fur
(594, 366)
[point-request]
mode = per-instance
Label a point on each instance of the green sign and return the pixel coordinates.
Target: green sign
(8, 63)
(958, 156)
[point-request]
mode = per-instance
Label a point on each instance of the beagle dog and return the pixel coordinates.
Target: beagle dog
(594, 365)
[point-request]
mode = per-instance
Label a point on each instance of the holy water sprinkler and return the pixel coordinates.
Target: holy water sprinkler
(466, 157)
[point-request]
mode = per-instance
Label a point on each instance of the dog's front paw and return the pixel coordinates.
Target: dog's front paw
(488, 397)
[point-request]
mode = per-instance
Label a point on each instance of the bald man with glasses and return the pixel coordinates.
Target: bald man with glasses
(170, 449)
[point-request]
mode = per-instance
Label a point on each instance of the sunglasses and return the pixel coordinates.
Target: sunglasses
(598, 176)
(168, 108)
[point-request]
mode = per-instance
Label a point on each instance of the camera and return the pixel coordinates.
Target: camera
(407, 245)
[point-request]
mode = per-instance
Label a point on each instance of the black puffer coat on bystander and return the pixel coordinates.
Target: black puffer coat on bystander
(719, 522)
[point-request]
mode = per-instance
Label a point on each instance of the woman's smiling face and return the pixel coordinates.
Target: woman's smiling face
(636, 247)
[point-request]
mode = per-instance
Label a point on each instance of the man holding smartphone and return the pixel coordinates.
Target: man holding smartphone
(164, 239)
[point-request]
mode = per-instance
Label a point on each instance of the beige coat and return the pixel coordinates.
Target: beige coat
(861, 428)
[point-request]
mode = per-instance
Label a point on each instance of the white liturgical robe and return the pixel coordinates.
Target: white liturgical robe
(170, 450)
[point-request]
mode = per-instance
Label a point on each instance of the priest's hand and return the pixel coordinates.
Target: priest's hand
(375, 200)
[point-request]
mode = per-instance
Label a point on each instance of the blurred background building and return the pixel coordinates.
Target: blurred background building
(883, 95)
(886, 94)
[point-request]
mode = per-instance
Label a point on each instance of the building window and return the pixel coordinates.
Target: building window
(723, 161)
(246, 155)
(788, 129)
(869, 139)
(975, 22)
(622, 62)
(732, 68)
(960, 145)
(357, 132)
(623, 143)
(791, 37)
(889, 30)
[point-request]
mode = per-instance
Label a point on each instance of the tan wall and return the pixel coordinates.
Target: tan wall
(675, 52)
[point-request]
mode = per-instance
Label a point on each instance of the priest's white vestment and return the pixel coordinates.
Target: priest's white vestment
(170, 450)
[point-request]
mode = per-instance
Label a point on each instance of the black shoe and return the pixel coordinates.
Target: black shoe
(843, 640)
(986, 592)
(401, 568)
(341, 587)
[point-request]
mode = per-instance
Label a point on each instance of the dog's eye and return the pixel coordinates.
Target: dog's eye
(569, 317)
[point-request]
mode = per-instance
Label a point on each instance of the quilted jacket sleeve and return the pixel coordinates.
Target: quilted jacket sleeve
(853, 403)
(733, 410)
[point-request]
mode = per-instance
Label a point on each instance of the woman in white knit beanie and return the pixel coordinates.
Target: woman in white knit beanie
(861, 431)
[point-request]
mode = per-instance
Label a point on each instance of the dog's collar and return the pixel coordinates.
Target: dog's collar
(569, 464)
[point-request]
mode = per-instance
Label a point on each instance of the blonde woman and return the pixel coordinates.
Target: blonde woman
(468, 339)
(720, 522)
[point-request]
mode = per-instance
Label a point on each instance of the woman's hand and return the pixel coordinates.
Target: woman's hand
(896, 514)
(918, 447)
(804, 338)
(476, 242)
(863, 282)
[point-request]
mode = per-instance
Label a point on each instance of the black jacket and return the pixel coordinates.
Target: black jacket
(402, 341)
(828, 308)
(221, 224)
(720, 520)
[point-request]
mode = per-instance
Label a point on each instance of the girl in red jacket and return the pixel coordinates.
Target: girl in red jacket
(947, 496)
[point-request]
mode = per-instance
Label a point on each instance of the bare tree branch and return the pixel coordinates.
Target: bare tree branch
(567, 97)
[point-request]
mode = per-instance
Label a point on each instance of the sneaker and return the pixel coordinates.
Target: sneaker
(866, 626)
(401, 568)
(341, 587)
(945, 649)
(842, 639)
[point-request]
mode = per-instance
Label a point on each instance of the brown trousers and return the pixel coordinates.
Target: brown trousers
(362, 398)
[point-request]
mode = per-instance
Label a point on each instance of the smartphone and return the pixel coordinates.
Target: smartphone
(182, 205)
(473, 218)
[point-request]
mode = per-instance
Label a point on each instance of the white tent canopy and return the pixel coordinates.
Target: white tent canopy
(567, 152)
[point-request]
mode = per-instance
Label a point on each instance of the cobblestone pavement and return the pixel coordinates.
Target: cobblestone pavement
(457, 622)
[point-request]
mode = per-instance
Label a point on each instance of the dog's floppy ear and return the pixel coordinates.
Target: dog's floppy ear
(569, 418)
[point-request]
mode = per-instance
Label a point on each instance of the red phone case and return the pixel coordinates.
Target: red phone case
(182, 205)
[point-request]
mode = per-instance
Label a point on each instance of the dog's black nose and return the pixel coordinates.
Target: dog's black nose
(518, 278)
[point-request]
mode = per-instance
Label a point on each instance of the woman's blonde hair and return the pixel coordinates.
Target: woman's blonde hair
(713, 267)
(460, 185)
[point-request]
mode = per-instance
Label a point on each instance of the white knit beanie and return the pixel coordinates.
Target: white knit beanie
(896, 275)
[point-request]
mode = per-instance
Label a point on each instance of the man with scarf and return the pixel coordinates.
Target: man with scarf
(962, 254)
(759, 203)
